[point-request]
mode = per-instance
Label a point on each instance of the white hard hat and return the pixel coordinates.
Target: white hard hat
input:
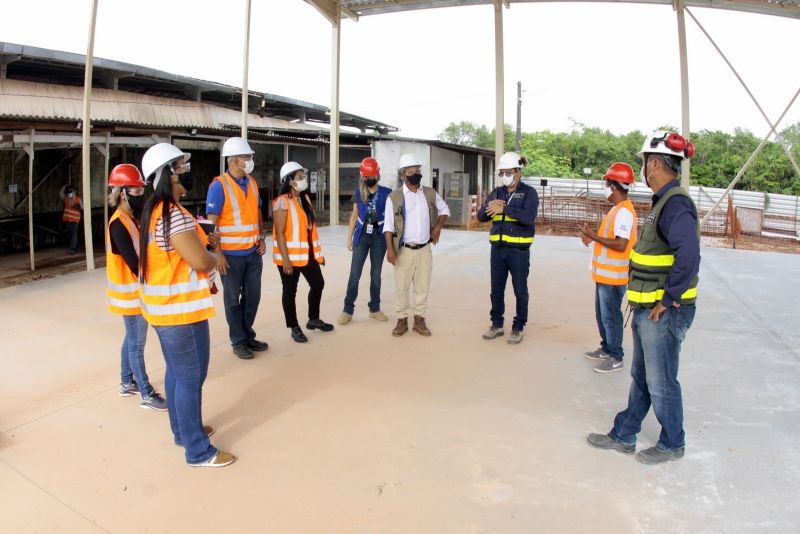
(509, 160)
(409, 160)
(159, 155)
(290, 167)
(669, 143)
(236, 146)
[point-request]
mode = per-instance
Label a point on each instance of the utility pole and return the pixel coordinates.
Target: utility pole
(519, 116)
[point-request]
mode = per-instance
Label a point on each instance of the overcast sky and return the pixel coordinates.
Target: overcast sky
(609, 65)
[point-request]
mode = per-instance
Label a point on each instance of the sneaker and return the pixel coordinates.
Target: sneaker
(208, 429)
(257, 346)
(221, 459)
(493, 332)
(603, 441)
(345, 318)
(126, 390)
(243, 352)
(598, 354)
(609, 365)
(378, 316)
(319, 324)
(154, 402)
(654, 455)
(515, 337)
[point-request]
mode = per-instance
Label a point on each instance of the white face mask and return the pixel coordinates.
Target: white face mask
(642, 173)
(508, 180)
(607, 191)
(301, 185)
(72, 195)
(249, 165)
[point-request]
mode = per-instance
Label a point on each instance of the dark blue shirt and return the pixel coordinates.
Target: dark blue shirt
(215, 199)
(525, 213)
(677, 225)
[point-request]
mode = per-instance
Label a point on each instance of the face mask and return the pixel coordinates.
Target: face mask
(301, 185)
(508, 179)
(414, 179)
(370, 182)
(72, 195)
(249, 165)
(643, 173)
(607, 191)
(186, 181)
(136, 204)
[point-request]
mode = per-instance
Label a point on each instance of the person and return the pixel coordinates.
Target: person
(365, 238)
(610, 254)
(233, 204)
(296, 249)
(72, 215)
(662, 290)
(122, 271)
(176, 299)
(414, 217)
(512, 208)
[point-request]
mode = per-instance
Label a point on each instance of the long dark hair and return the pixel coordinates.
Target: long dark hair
(162, 194)
(305, 197)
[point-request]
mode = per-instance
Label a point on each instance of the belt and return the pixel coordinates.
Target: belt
(415, 247)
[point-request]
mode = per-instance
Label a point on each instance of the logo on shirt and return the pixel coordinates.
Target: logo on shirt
(650, 219)
(212, 205)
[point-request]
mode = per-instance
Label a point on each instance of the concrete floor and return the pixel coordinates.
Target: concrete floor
(357, 431)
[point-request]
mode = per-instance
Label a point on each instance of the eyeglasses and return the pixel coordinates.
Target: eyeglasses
(505, 174)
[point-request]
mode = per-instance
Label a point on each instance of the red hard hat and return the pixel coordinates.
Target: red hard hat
(369, 167)
(125, 175)
(619, 172)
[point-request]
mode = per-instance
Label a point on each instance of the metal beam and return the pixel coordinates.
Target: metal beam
(334, 148)
(30, 152)
(686, 165)
(4, 61)
(499, 74)
(87, 128)
(245, 66)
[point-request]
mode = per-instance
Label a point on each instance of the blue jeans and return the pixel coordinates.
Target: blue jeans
(72, 231)
(186, 350)
(132, 354)
(373, 245)
(505, 260)
(656, 347)
(241, 288)
(608, 312)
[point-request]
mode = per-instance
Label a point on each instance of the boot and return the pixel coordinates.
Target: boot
(401, 328)
(419, 326)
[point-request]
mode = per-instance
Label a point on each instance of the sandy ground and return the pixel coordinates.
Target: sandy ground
(358, 431)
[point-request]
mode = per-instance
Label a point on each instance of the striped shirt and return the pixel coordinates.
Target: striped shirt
(179, 222)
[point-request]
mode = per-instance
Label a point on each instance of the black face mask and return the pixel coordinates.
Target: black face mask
(186, 181)
(136, 204)
(370, 182)
(414, 179)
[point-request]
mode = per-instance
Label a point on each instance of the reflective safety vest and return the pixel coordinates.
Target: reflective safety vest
(297, 235)
(238, 221)
(174, 293)
(652, 259)
(123, 286)
(378, 203)
(505, 231)
(611, 266)
(70, 213)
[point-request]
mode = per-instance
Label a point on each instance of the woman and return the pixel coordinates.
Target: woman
(296, 249)
(176, 298)
(122, 270)
(365, 237)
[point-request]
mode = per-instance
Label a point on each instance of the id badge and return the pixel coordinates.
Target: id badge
(370, 228)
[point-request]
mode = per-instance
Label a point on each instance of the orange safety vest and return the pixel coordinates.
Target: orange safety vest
(123, 286)
(174, 294)
(238, 221)
(70, 213)
(297, 236)
(611, 266)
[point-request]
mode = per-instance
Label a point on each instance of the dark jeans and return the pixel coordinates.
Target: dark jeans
(505, 260)
(608, 312)
(132, 354)
(72, 232)
(373, 245)
(241, 288)
(313, 275)
(186, 350)
(656, 347)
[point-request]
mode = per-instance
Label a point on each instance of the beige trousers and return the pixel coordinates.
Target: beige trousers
(413, 266)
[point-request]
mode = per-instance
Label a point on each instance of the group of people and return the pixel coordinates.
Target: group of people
(163, 267)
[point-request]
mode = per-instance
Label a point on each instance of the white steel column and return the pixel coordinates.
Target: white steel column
(499, 74)
(246, 61)
(686, 165)
(87, 128)
(29, 150)
(333, 179)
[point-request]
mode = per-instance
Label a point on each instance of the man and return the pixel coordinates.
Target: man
(233, 204)
(72, 215)
(662, 290)
(414, 217)
(612, 250)
(512, 208)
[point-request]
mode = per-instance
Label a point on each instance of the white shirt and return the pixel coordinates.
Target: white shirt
(417, 225)
(623, 224)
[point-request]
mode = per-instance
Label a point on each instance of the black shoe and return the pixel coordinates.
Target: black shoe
(604, 441)
(298, 335)
(243, 352)
(256, 345)
(654, 455)
(319, 324)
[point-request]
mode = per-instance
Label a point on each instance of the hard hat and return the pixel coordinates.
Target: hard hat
(236, 146)
(159, 155)
(290, 167)
(668, 143)
(622, 173)
(125, 175)
(409, 160)
(510, 160)
(369, 167)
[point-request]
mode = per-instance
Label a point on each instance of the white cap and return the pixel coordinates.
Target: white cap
(290, 167)
(236, 146)
(409, 160)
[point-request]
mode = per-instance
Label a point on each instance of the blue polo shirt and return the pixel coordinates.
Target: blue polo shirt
(215, 200)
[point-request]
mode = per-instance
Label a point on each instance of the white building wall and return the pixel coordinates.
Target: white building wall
(388, 155)
(446, 161)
